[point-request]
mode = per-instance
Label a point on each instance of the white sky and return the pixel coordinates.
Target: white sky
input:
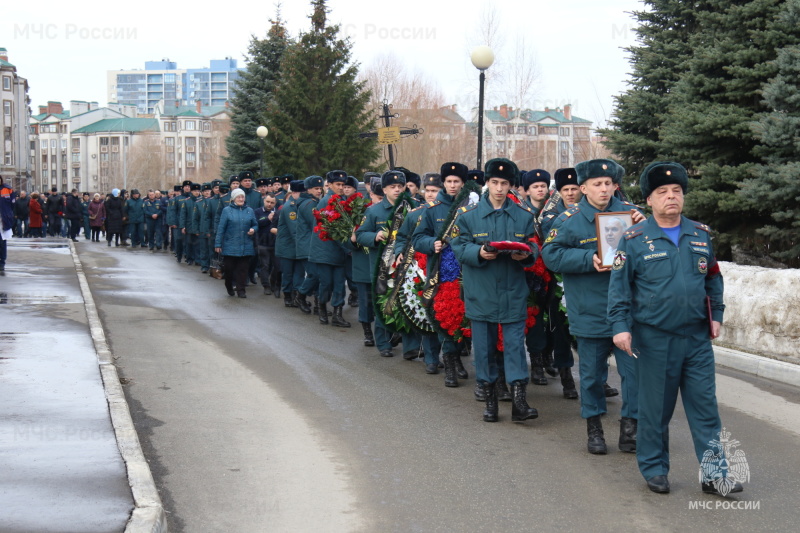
(65, 49)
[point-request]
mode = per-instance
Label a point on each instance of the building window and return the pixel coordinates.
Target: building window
(565, 132)
(63, 144)
(500, 130)
(190, 125)
(53, 144)
(6, 83)
(76, 173)
(76, 157)
(44, 174)
(206, 126)
(522, 129)
(76, 144)
(7, 107)
(44, 144)
(8, 158)
(103, 141)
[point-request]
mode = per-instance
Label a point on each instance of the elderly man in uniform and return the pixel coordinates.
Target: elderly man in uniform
(665, 282)
(571, 249)
(495, 291)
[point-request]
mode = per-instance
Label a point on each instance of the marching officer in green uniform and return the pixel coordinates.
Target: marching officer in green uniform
(425, 240)
(292, 269)
(201, 222)
(152, 218)
(567, 186)
(172, 218)
(225, 198)
(571, 249)
(663, 275)
(306, 221)
(431, 185)
(187, 224)
(180, 241)
(372, 232)
(495, 290)
(328, 258)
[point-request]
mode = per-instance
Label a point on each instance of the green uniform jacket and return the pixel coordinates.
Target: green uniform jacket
(287, 227)
(406, 231)
(376, 219)
(181, 207)
(549, 217)
(201, 221)
(304, 231)
(325, 252)
(494, 291)
(134, 210)
(224, 201)
(211, 212)
(252, 198)
(186, 213)
(172, 211)
(653, 282)
(569, 248)
(430, 223)
(151, 207)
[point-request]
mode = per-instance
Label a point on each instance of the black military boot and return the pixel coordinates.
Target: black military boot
(490, 393)
(315, 309)
(352, 299)
(547, 359)
(323, 314)
(610, 391)
(520, 410)
(627, 434)
(480, 396)
(338, 320)
(300, 301)
(369, 339)
(450, 378)
(537, 369)
(568, 383)
(503, 394)
(288, 301)
(597, 442)
(461, 372)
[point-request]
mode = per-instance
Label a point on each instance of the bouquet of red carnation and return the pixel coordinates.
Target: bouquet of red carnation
(337, 220)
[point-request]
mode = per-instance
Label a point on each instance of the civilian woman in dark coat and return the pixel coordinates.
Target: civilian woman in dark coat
(35, 224)
(113, 217)
(237, 225)
(97, 216)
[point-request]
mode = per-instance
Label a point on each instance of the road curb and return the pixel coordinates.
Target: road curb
(148, 515)
(758, 365)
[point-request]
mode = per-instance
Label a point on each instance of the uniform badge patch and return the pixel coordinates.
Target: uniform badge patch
(619, 260)
(702, 265)
(454, 232)
(552, 235)
(293, 215)
(652, 247)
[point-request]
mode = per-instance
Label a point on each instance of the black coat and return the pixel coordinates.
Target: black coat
(265, 225)
(22, 208)
(113, 214)
(55, 206)
(74, 208)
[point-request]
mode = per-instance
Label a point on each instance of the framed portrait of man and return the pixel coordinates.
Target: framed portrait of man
(610, 227)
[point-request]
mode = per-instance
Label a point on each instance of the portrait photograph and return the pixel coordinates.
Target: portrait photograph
(610, 228)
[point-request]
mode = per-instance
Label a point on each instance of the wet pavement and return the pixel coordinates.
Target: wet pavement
(60, 466)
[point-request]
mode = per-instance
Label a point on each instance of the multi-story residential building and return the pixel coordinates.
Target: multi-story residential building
(15, 165)
(548, 139)
(97, 149)
(164, 81)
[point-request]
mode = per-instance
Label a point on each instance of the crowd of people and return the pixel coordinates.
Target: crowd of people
(519, 251)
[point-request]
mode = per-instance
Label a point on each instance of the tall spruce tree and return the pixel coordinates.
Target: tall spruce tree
(251, 96)
(774, 190)
(708, 125)
(318, 106)
(663, 46)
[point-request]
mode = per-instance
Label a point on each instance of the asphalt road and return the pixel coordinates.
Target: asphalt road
(256, 418)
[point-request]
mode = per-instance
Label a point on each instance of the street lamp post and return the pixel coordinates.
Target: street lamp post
(262, 132)
(482, 58)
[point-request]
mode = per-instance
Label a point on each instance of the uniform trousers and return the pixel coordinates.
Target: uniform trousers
(201, 251)
(669, 362)
(432, 346)
(136, 231)
(310, 284)
(177, 240)
(290, 269)
(87, 229)
(593, 367)
(153, 233)
(190, 246)
(484, 343)
(331, 283)
(560, 338)
(366, 314)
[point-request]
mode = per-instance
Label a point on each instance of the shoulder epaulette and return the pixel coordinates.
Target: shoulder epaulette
(433, 203)
(631, 233)
(624, 202)
(571, 211)
(466, 208)
(701, 226)
(417, 208)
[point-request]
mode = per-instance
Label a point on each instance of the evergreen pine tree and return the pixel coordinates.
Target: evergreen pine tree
(774, 191)
(708, 125)
(319, 107)
(663, 36)
(250, 98)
